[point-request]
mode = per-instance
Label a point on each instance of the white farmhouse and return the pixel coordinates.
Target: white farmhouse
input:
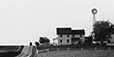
(67, 36)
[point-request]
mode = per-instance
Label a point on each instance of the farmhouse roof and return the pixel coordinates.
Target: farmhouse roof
(64, 31)
(69, 31)
(78, 31)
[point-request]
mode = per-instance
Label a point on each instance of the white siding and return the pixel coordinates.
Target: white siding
(78, 36)
(64, 39)
(112, 40)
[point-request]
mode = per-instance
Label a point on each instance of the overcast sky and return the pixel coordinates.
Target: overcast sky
(22, 21)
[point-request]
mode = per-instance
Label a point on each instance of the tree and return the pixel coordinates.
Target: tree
(36, 43)
(103, 30)
(44, 40)
(88, 40)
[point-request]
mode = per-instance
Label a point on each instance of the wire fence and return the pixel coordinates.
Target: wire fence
(81, 48)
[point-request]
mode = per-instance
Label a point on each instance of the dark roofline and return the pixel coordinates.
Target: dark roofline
(78, 31)
(63, 27)
(65, 31)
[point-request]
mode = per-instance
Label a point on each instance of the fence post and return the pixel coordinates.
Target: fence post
(81, 48)
(48, 50)
(95, 48)
(58, 49)
(68, 49)
(108, 48)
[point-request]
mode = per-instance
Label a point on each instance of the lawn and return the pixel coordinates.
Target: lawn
(79, 53)
(8, 48)
(75, 52)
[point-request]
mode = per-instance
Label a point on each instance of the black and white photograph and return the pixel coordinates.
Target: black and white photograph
(56, 28)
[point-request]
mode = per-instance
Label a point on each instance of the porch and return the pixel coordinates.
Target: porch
(76, 41)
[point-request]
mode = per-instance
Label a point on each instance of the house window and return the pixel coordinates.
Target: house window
(60, 40)
(73, 35)
(67, 40)
(67, 35)
(80, 35)
(60, 35)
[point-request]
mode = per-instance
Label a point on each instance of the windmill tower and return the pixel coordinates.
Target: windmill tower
(94, 11)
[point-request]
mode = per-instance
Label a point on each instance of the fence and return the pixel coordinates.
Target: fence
(81, 48)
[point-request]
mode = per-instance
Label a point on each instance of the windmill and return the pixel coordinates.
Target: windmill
(94, 11)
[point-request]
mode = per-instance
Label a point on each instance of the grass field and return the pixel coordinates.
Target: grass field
(87, 52)
(8, 48)
(79, 53)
